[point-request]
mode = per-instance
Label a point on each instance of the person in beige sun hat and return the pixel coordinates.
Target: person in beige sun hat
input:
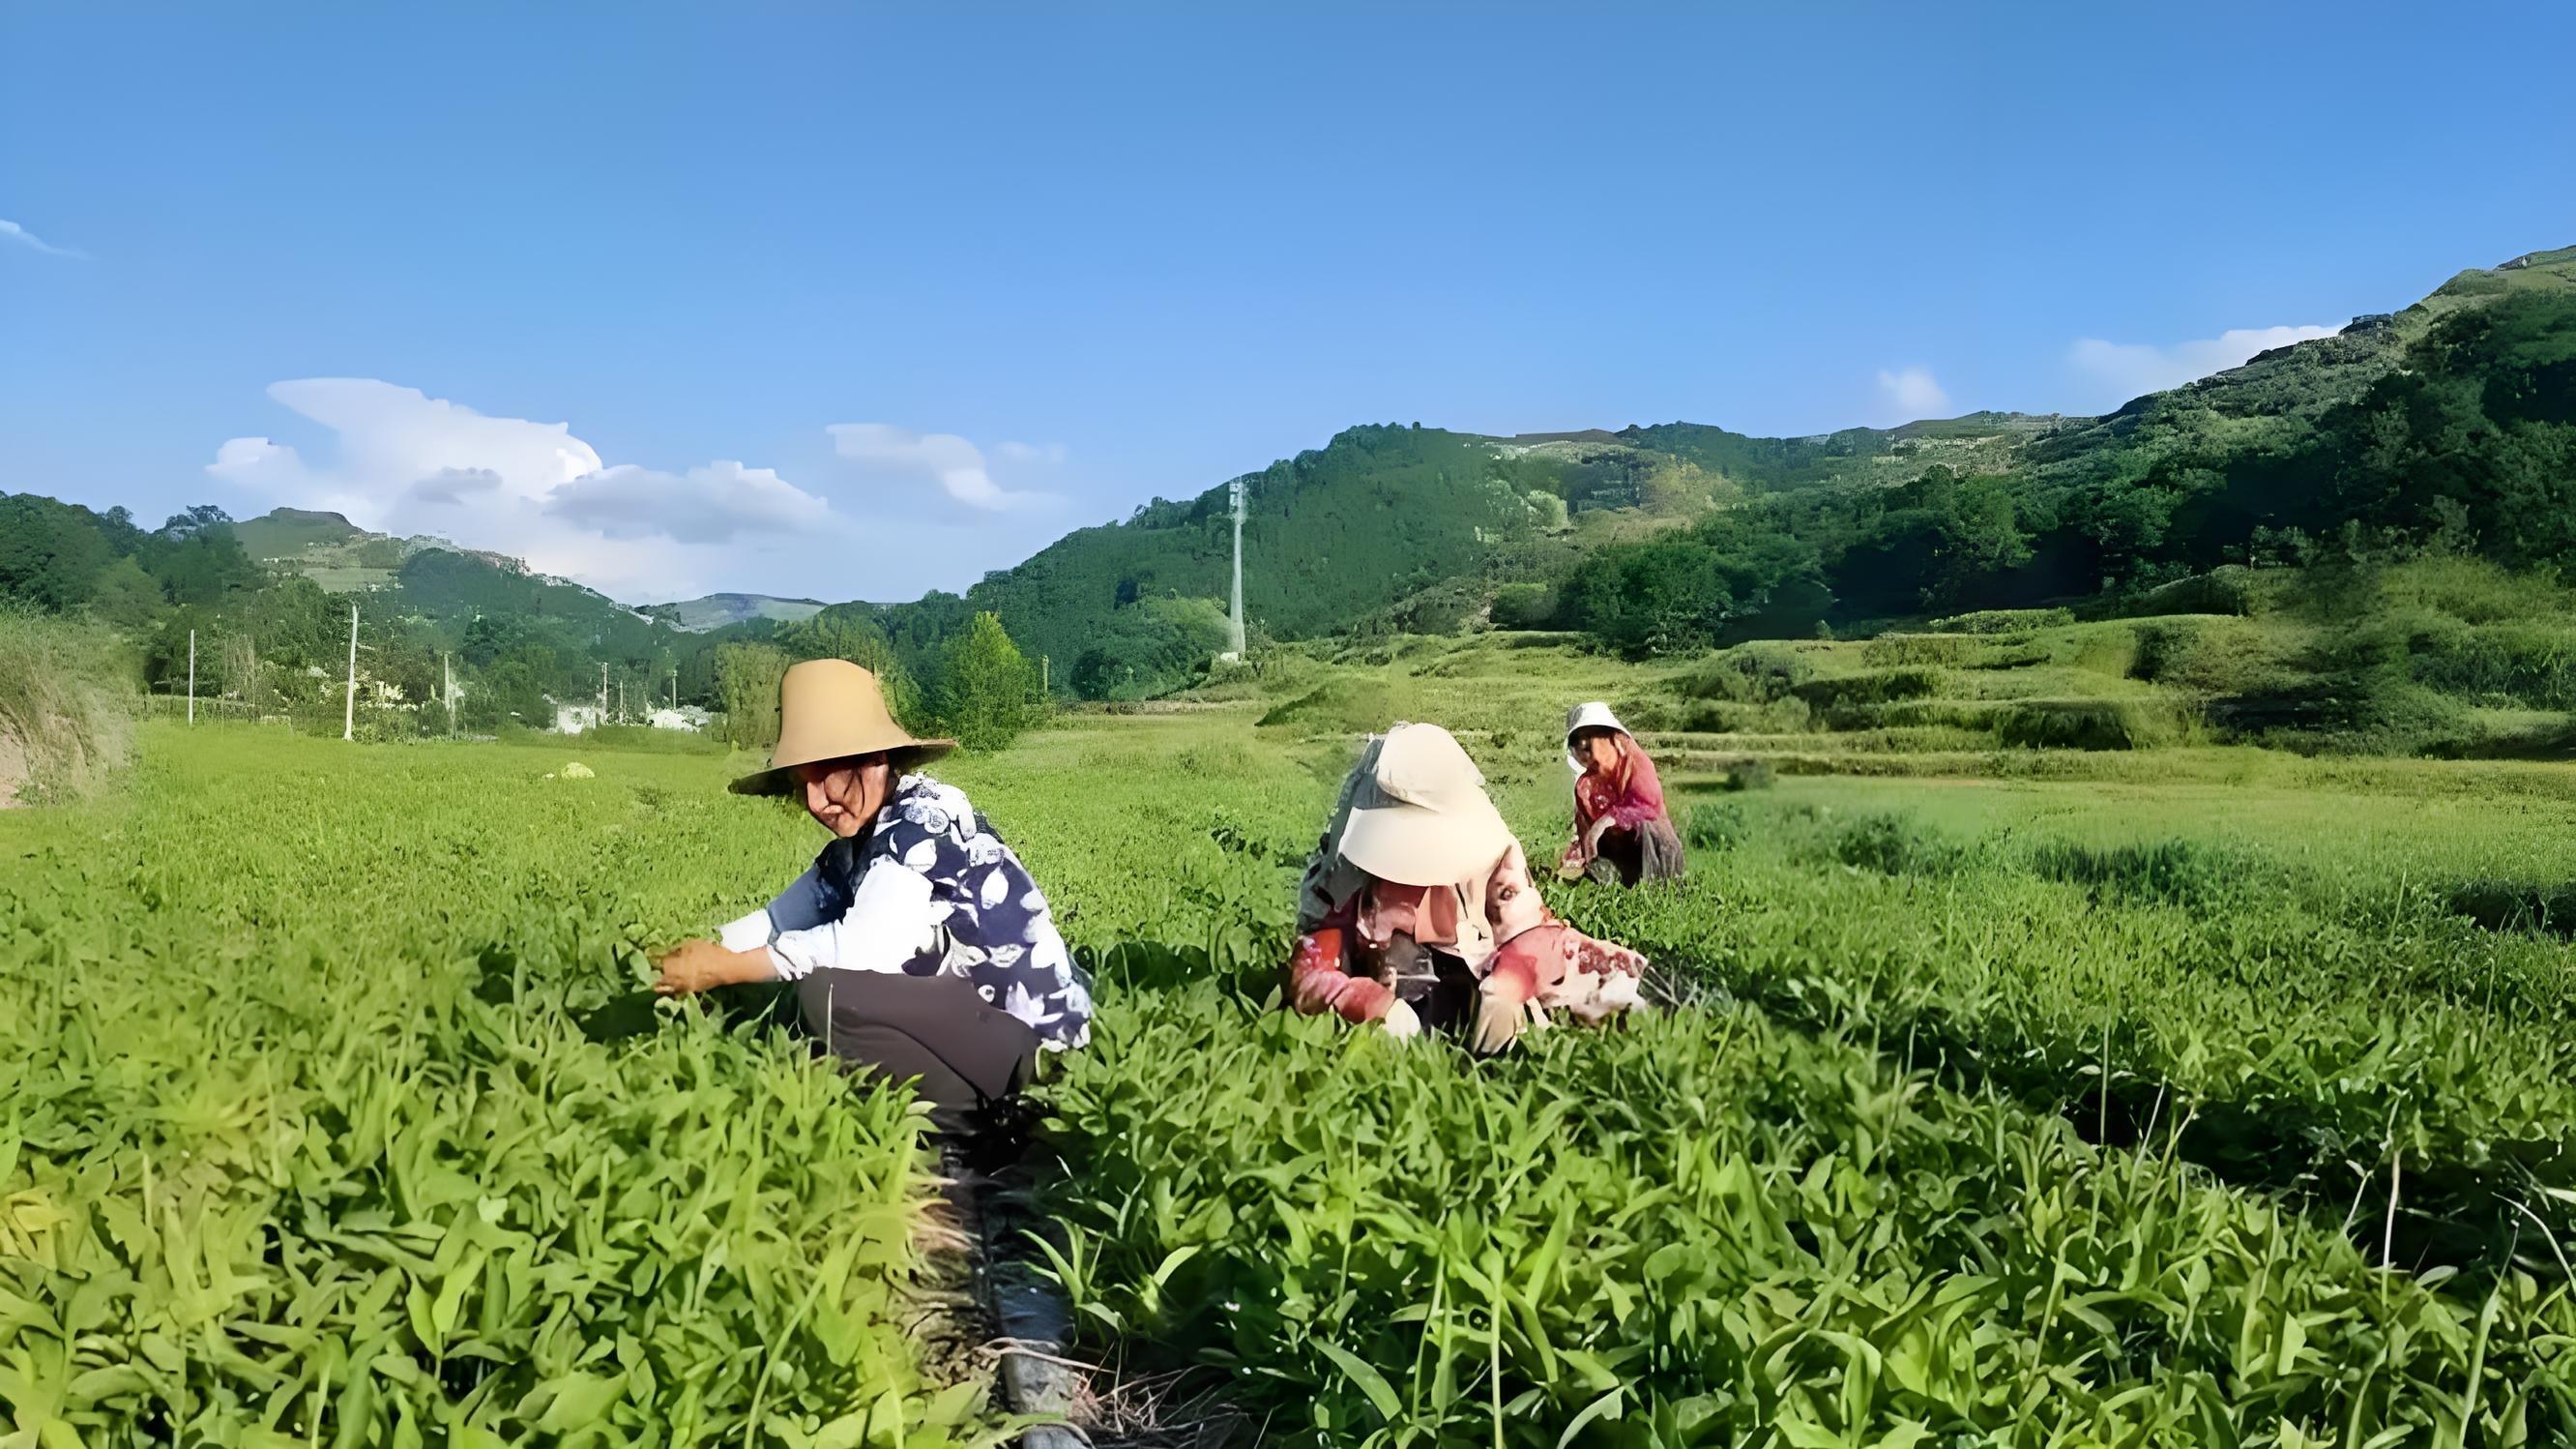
(1391, 915)
(920, 947)
(831, 709)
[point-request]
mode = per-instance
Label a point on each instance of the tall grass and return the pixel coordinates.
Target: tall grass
(67, 698)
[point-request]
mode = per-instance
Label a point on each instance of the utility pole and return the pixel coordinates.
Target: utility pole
(447, 688)
(192, 676)
(1234, 625)
(1046, 675)
(603, 691)
(675, 691)
(349, 714)
(621, 701)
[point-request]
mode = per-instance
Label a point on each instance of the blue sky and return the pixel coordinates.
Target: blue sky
(861, 302)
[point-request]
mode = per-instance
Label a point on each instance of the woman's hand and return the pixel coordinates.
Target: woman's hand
(1502, 1003)
(1592, 837)
(695, 966)
(1570, 865)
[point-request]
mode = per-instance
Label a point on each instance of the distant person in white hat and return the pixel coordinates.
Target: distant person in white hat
(1622, 833)
(1391, 916)
(920, 948)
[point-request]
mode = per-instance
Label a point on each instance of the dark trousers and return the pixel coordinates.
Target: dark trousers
(964, 1055)
(1435, 983)
(1627, 857)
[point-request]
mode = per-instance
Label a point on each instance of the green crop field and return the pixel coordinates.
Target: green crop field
(2194, 1096)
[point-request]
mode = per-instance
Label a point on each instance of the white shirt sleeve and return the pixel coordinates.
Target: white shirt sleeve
(796, 908)
(888, 923)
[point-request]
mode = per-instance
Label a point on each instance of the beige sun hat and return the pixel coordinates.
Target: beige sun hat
(1592, 716)
(831, 709)
(1420, 818)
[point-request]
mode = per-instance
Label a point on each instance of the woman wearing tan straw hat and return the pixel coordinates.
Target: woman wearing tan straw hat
(1622, 833)
(1391, 916)
(920, 948)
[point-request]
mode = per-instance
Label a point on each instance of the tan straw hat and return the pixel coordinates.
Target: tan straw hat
(1421, 818)
(831, 709)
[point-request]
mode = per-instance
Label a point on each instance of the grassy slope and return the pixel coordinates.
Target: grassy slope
(67, 699)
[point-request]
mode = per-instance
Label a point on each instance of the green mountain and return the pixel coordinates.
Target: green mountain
(2449, 423)
(1681, 534)
(289, 533)
(714, 611)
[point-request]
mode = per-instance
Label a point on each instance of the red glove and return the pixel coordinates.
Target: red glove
(1318, 982)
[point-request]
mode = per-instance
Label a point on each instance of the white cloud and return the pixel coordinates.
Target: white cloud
(712, 504)
(1911, 394)
(14, 232)
(2126, 370)
(1050, 453)
(410, 463)
(955, 463)
(451, 485)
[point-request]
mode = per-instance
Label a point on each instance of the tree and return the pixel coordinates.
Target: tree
(50, 555)
(833, 634)
(747, 678)
(205, 567)
(126, 596)
(1095, 673)
(197, 519)
(987, 685)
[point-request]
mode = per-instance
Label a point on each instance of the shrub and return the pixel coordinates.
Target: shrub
(2001, 621)
(2081, 724)
(2011, 654)
(1876, 686)
(1524, 606)
(1899, 845)
(1957, 714)
(2181, 872)
(1751, 673)
(1715, 716)
(2475, 591)
(1893, 649)
(1715, 827)
(1750, 775)
(2208, 655)
(2227, 589)
(2529, 663)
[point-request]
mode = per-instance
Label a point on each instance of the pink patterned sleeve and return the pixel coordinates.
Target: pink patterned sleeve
(1644, 799)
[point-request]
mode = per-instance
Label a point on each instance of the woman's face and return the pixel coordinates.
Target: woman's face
(843, 796)
(1595, 749)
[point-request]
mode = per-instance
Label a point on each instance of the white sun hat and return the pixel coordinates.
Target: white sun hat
(1592, 716)
(1420, 817)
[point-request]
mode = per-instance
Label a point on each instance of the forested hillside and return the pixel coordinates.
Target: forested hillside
(2450, 425)
(2449, 421)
